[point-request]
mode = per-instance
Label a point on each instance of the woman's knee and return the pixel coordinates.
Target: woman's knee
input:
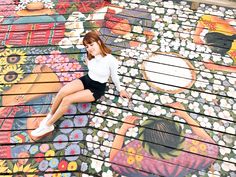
(66, 101)
(63, 92)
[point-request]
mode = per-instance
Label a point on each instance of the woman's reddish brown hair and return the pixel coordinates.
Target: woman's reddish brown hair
(92, 36)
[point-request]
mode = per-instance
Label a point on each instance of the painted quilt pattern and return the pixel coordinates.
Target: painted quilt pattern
(178, 65)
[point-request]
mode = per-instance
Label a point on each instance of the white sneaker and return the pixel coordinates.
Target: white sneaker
(44, 121)
(42, 130)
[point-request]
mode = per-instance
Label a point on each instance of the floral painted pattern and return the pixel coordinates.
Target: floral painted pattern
(61, 64)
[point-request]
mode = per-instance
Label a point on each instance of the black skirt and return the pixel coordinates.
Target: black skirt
(97, 88)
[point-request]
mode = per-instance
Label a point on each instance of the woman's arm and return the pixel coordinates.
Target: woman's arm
(119, 138)
(199, 28)
(115, 78)
(211, 66)
(197, 130)
(114, 72)
(230, 21)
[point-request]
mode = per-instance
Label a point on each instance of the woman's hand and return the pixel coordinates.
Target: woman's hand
(124, 94)
(179, 109)
(129, 122)
(198, 40)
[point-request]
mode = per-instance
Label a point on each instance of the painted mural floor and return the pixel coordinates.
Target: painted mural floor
(177, 64)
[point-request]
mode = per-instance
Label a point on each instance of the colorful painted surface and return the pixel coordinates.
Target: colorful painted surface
(178, 64)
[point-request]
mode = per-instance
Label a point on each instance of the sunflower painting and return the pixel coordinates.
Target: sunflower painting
(4, 51)
(10, 75)
(11, 70)
(22, 171)
(14, 57)
(3, 166)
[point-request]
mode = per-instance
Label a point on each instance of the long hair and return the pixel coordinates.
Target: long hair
(218, 42)
(91, 37)
(160, 137)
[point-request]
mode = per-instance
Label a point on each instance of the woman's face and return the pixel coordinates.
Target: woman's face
(93, 48)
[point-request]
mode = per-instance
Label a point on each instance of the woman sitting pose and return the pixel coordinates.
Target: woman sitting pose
(89, 88)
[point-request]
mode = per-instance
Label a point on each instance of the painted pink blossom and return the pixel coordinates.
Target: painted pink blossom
(61, 65)
(41, 59)
(44, 148)
(55, 52)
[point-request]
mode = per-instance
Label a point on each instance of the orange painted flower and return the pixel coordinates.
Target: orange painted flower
(195, 142)
(131, 151)
(193, 149)
(72, 166)
(202, 147)
(49, 154)
(138, 158)
(130, 160)
(134, 156)
(56, 175)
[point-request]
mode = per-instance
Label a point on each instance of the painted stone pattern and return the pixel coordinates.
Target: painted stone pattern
(178, 64)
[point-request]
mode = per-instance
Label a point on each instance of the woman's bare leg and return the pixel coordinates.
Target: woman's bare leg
(78, 97)
(70, 88)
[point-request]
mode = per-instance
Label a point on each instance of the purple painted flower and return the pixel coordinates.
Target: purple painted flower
(72, 110)
(76, 135)
(61, 142)
(64, 126)
(84, 107)
(80, 120)
(43, 165)
(73, 150)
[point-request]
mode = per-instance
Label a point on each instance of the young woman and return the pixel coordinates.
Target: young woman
(89, 88)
